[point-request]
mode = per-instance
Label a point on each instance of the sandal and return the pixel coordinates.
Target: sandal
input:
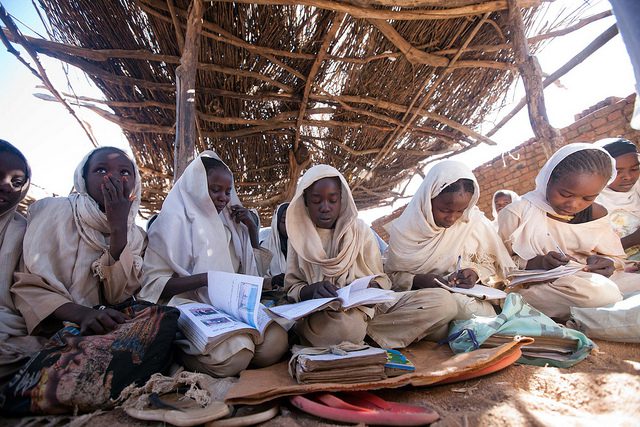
(247, 416)
(363, 407)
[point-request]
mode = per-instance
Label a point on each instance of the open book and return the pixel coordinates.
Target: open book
(357, 293)
(478, 291)
(517, 277)
(236, 309)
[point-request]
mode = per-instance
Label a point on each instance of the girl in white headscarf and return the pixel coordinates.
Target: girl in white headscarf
(203, 227)
(15, 343)
(276, 241)
(329, 247)
(559, 221)
(622, 196)
(501, 199)
(85, 249)
(442, 236)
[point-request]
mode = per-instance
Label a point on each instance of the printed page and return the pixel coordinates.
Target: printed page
(203, 320)
(238, 295)
(359, 293)
(300, 309)
(538, 276)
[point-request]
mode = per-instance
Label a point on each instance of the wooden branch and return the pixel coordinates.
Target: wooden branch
(177, 27)
(596, 44)
(41, 74)
(184, 146)
(336, 23)
(404, 15)
(412, 54)
(531, 74)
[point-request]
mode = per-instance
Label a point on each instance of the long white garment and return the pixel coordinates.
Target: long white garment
(66, 254)
(532, 237)
(352, 251)
(417, 245)
(272, 242)
(189, 237)
(624, 210)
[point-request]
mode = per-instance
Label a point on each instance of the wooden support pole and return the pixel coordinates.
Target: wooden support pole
(531, 75)
(184, 147)
(596, 44)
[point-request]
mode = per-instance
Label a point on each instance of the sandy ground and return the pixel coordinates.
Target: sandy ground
(603, 391)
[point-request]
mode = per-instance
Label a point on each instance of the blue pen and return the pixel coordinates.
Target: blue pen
(458, 265)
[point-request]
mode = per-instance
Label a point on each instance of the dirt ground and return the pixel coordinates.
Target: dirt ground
(603, 391)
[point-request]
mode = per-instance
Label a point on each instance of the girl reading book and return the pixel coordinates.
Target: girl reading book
(203, 227)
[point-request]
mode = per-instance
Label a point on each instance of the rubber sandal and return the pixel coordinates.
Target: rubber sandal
(497, 365)
(180, 412)
(247, 416)
(363, 407)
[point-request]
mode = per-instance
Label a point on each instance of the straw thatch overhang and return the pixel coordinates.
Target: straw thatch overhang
(375, 88)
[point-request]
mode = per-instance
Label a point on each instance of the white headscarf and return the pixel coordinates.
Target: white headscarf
(417, 245)
(528, 246)
(189, 234)
(272, 243)
(348, 239)
(514, 198)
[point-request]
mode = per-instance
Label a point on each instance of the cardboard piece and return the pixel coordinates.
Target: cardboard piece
(433, 364)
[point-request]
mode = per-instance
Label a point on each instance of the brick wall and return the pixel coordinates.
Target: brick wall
(516, 170)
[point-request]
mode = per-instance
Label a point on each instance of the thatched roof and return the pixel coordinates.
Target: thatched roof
(374, 88)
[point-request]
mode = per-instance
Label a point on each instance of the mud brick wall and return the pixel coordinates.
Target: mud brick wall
(517, 169)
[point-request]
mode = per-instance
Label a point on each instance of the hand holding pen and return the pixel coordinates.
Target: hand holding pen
(463, 278)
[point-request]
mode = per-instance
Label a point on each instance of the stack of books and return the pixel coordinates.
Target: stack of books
(352, 367)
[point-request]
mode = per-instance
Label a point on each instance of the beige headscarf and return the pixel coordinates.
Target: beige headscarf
(272, 243)
(68, 257)
(532, 238)
(189, 235)
(417, 245)
(344, 261)
(12, 227)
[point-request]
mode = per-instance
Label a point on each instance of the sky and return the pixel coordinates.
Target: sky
(54, 143)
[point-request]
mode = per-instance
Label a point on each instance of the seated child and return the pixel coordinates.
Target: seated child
(442, 236)
(501, 199)
(83, 250)
(622, 196)
(276, 241)
(559, 221)
(329, 247)
(15, 343)
(198, 231)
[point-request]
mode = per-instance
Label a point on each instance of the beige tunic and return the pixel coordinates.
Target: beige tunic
(577, 240)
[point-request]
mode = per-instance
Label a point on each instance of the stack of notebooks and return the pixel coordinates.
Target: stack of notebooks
(554, 348)
(353, 367)
(369, 364)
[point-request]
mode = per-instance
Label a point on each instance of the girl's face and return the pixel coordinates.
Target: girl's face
(13, 178)
(108, 163)
(447, 208)
(628, 168)
(219, 182)
(501, 202)
(574, 193)
(324, 202)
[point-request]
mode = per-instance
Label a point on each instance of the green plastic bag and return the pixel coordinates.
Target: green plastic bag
(518, 318)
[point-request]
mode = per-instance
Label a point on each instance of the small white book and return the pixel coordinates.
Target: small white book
(477, 291)
(356, 294)
(517, 277)
(236, 309)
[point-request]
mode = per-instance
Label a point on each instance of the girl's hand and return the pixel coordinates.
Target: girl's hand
(99, 322)
(554, 259)
(324, 289)
(600, 265)
(424, 281)
(117, 202)
(465, 278)
(240, 214)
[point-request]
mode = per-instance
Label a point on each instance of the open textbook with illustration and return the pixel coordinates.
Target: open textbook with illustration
(517, 277)
(357, 293)
(236, 309)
